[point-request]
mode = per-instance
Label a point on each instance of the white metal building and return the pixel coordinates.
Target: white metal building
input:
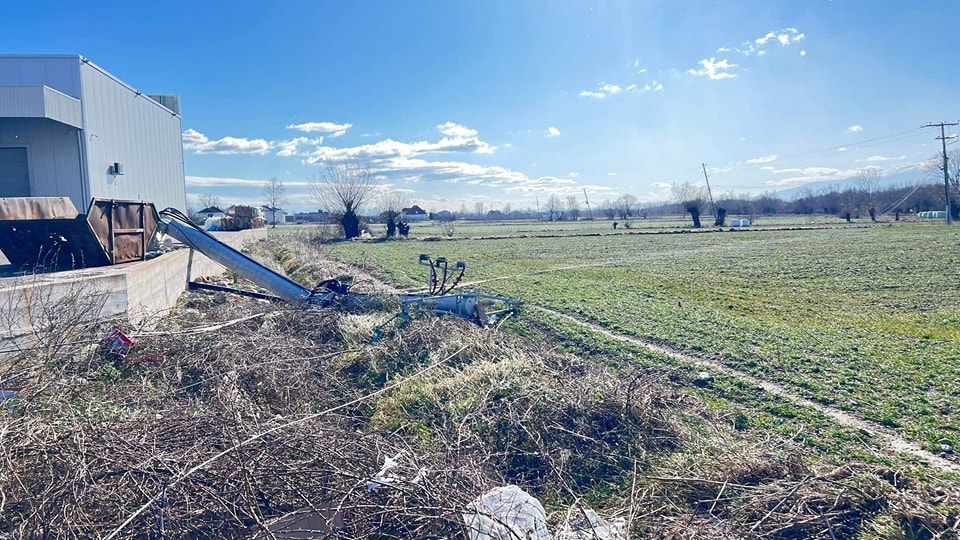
(70, 129)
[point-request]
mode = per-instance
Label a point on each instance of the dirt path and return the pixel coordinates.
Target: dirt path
(886, 436)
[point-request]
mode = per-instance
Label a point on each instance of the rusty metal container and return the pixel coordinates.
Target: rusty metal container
(48, 233)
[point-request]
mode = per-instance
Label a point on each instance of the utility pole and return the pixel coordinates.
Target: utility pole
(710, 193)
(585, 199)
(946, 171)
(538, 208)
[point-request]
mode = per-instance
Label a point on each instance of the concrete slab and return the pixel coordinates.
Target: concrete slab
(139, 292)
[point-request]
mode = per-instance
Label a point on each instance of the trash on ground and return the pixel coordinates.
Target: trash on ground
(505, 513)
(590, 526)
(117, 343)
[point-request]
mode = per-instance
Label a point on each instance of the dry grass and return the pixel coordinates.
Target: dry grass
(212, 430)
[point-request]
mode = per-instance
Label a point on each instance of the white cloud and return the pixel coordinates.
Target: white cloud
(595, 95)
(456, 130)
(200, 144)
(842, 149)
(329, 128)
(290, 148)
(855, 129)
(217, 181)
(803, 53)
(809, 175)
(787, 36)
(456, 138)
(763, 159)
(552, 132)
(714, 69)
(573, 175)
(610, 88)
(767, 168)
(724, 49)
(606, 89)
(875, 159)
(611, 174)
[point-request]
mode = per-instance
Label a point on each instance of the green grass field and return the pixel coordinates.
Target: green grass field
(469, 229)
(862, 319)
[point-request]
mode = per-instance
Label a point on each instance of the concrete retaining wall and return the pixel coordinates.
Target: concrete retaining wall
(140, 292)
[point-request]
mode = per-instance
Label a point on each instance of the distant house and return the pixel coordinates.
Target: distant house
(444, 215)
(311, 217)
(495, 214)
(414, 213)
(273, 215)
(211, 211)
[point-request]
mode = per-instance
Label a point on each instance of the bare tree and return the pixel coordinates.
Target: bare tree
(206, 200)
(554, 206)
(479, 209)
(573, 207)
(608, 208)
(689, 196)
(342, 189)
(624, 205)
(506, 210)
(275, 195)
(391, 203)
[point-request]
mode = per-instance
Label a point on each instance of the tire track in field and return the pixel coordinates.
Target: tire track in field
(888, 437)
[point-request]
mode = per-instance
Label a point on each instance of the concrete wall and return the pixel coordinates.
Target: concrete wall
(53, 153)
(141, 292)
(125, 126)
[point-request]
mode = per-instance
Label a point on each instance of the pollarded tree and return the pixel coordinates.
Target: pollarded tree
(689, 197)
(391, 203)
(342, 189)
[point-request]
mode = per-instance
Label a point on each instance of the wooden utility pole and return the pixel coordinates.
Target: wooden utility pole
(946, 171)
(586, 200)
(710, 193)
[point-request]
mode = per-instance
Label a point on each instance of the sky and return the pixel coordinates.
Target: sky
(506, 102)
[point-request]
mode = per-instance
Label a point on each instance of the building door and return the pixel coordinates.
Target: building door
(14, 173)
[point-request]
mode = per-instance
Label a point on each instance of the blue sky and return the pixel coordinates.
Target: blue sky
(508, 101)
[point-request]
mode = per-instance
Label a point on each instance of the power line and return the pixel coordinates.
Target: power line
(946, 171)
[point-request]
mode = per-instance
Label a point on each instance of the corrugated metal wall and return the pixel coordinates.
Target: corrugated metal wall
(58, 72)
(53, 152)
(125, 126)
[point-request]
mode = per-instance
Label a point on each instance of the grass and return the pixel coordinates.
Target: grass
(467, 229)
(866, 319)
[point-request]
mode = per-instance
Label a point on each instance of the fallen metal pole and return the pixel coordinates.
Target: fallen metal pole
(176, 226)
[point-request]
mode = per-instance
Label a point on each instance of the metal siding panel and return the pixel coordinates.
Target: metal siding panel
(21, 102)
(60, 73)
(62, 107)
(53, 156)
(132, 129)
(39, 102)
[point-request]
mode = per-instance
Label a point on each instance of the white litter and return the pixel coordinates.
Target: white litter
(386, 476)
(506, 513)
(590, 526)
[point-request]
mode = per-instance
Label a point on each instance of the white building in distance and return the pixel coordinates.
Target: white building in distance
(68, 128)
